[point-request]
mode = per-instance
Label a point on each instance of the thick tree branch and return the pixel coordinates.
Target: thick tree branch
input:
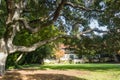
(36, 45)
(96, 30)
(91, 30)
(11, 25)
(47, 23)
(10, 8)
(59, 8)
(14, 31)
(40, 43)
(11, 38)
(23, 3)
(31, 29)
(81, 7)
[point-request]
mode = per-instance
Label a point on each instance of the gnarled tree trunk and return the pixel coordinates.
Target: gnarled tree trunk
(3, 57)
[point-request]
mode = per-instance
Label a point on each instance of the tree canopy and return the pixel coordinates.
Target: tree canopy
(72, 17)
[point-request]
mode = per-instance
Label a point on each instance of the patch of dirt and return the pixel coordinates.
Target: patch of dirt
(44, 75)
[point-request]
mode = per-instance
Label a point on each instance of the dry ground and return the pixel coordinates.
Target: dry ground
(44, 75)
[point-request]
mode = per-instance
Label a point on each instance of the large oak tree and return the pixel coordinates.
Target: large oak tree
(68, 15)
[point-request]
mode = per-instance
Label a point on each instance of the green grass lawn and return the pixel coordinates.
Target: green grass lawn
(97, 71)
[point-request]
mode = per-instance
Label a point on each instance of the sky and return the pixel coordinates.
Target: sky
(94, 24)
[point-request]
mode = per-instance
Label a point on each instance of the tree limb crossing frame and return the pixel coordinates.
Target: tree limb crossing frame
(14, 18)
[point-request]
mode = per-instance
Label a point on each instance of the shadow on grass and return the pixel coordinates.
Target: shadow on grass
(52, 77)
(12, 76)
(18, 76)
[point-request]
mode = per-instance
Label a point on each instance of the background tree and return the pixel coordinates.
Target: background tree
(59, 51)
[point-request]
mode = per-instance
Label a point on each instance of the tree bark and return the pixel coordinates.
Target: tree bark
(3, 57)
(115, 58)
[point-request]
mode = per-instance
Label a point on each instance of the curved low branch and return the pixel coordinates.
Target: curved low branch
(91, 30)
(36, 45)
(40, 43)
(82, 7)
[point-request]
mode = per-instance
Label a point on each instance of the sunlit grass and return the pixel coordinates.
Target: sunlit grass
(97, 71)
(90, 67)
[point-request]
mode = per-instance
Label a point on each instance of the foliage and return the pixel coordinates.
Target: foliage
(36, 57)
(56, 17)
(11, 60)
(26, 39)
(58, 54)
